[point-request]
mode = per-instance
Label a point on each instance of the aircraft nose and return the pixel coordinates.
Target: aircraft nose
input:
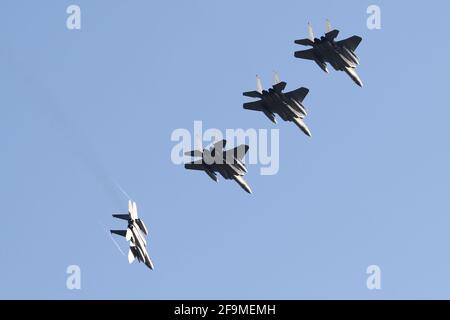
(352, 73)
(244, 185)
(301, 124)
(307, 132)
(149, 264)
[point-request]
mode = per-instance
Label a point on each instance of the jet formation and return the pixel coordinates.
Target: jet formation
(275, 102)
(288, 105)
(135, 234)
(228, 163)
(340, 54)
(272, 102)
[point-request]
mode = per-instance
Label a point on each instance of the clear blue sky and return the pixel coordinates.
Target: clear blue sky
(80, 109)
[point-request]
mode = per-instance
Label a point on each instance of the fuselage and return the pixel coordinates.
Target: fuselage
(339, 57)
(277, 103)
(223, 163)
(140, 249)
(137, 237)
(229, 168)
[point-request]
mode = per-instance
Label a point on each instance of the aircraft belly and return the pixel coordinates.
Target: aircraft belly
(299, 108)
(350, 55)
(346, 62)
(268, 106)
(335, 64)
(284, 113)
(290, 111)
(141, 255)
(139, 241)
(210, 173)
(234, 170)
(280, 109)
(224, 173)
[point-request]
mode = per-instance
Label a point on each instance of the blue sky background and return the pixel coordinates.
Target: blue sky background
(81, 109)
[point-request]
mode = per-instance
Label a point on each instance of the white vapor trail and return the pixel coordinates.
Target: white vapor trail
(117, 245)
(113, 240)
(121, 190)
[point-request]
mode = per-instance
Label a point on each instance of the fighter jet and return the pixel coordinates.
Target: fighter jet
(228, 163)
(135, 234)
(340, 54)
(288, 105)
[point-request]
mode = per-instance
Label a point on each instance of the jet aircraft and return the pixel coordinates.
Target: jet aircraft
(135, 234)
(340, 54)
(215, 160)
(288, 105)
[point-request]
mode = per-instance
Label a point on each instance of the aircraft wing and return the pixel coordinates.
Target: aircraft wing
(142, 226)
(219, 146)
(256, 106)
(305, 54)
(351, 43)
(298, 94)
(238, 152)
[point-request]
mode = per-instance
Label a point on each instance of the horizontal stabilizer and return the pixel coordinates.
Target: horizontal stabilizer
(252, 94)
(119, 232)
(194, 153)
(305, 42)
(195, 165)
(122, 216)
